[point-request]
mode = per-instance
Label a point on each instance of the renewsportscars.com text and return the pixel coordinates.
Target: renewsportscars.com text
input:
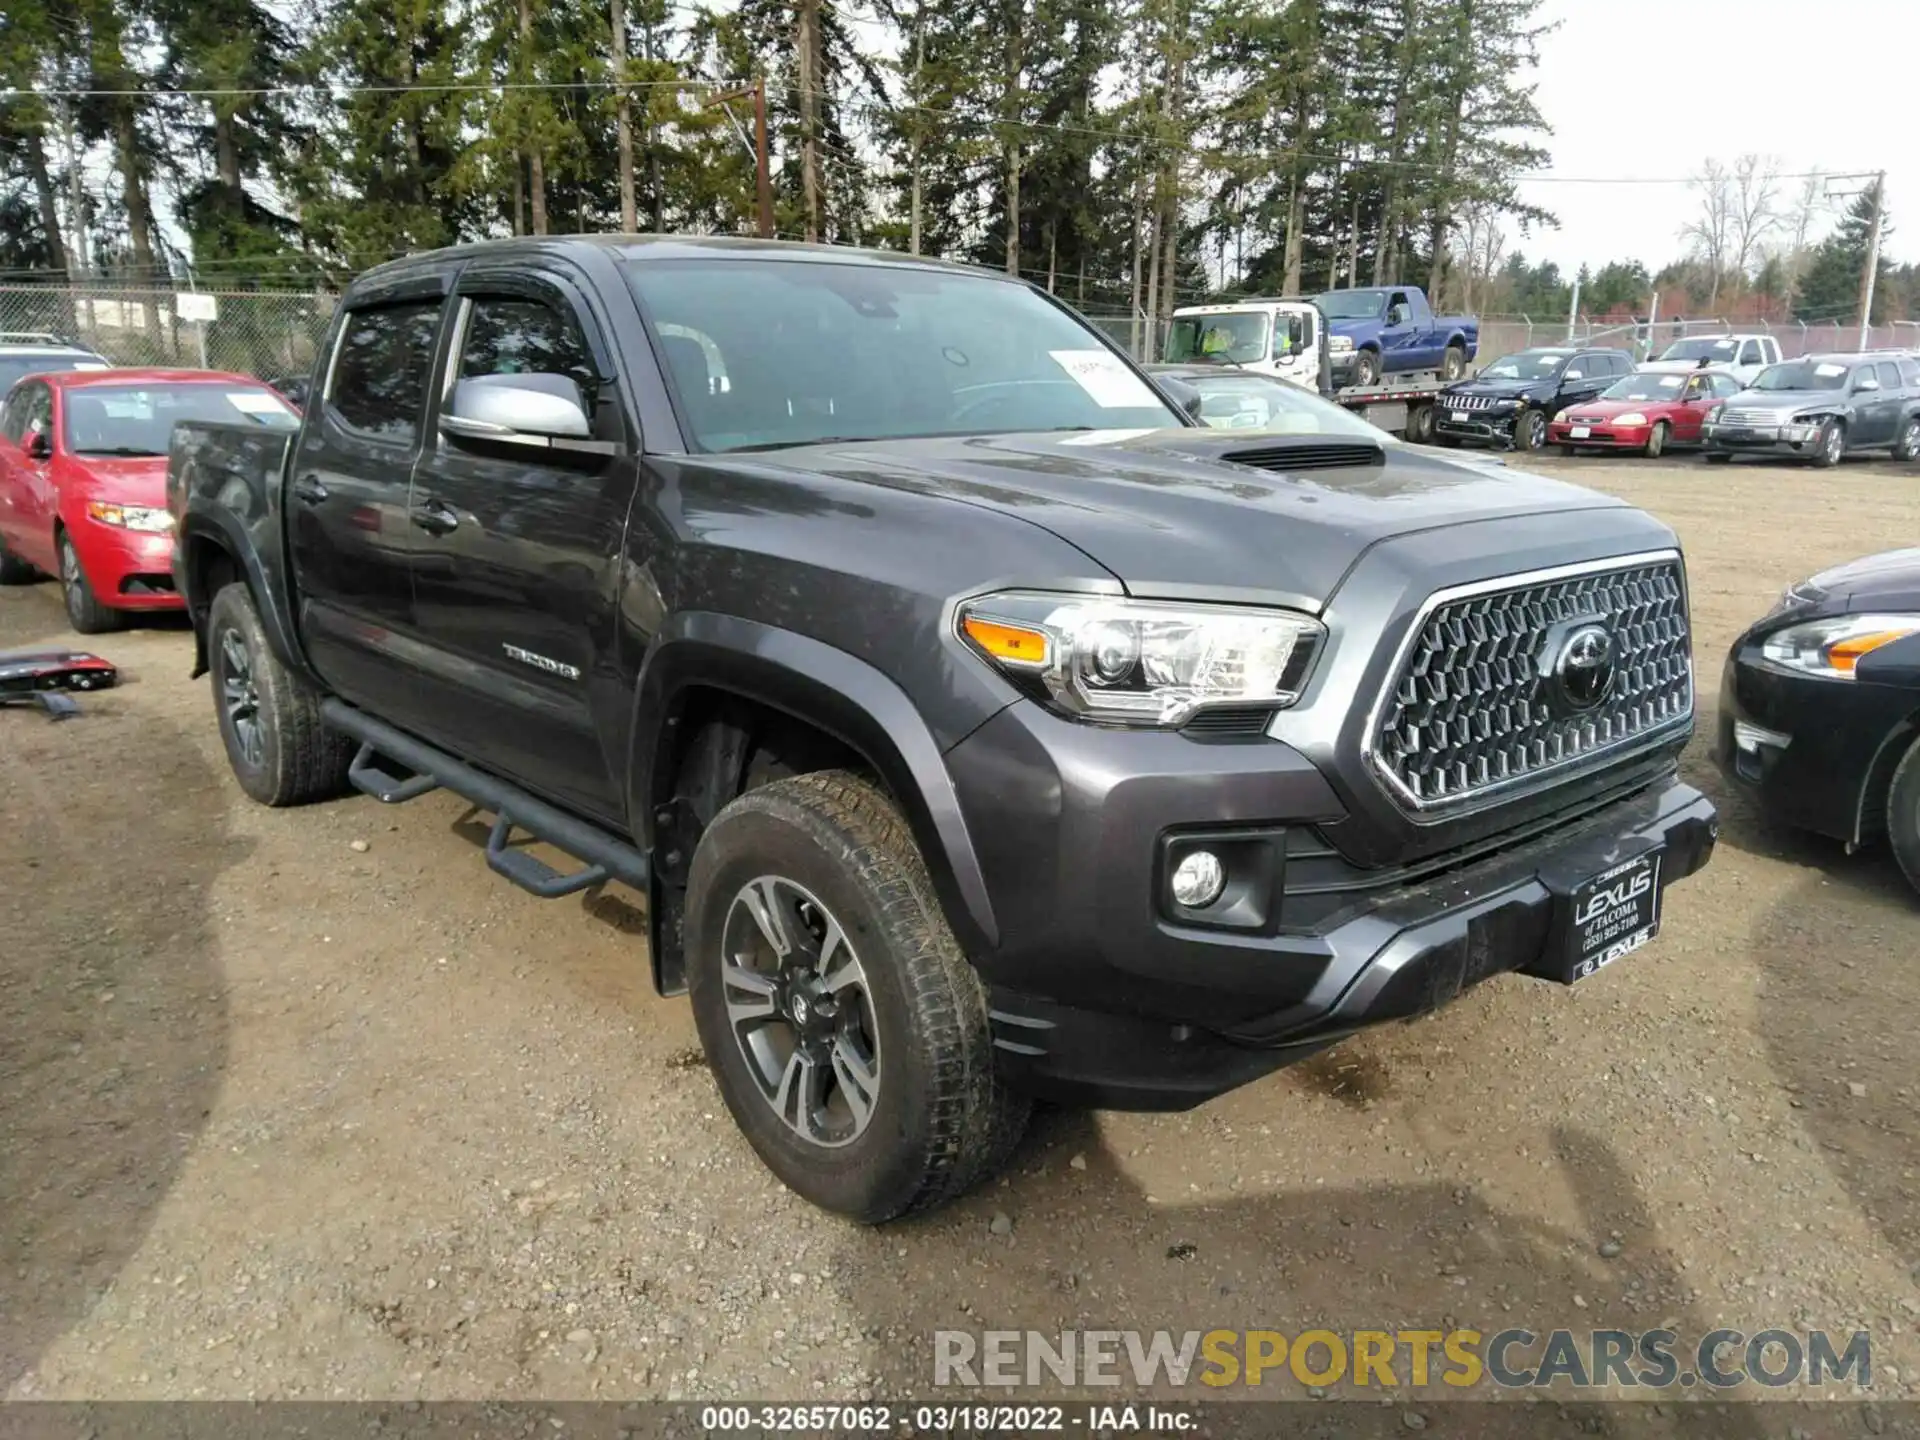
(1509, 1359)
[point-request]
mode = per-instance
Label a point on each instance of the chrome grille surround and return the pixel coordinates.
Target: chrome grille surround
(1464, 715)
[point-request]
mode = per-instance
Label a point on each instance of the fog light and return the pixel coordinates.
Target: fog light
(1198, 880)
(1751, 738)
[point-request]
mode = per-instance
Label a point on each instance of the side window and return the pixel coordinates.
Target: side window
(37, 403)
(1725, 386)
(513, 336)
(1749, 353)
(1889, 375)
(1696, 387)
(1910, 374)
(1579, 367)
(1397, 307)
(13, 416)
(379, 380)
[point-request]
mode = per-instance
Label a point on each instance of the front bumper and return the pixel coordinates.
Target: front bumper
(1485, 427)
(128, 569)
(1762, 439)
(1102, 993)
(1600, 436)
(1816, 754)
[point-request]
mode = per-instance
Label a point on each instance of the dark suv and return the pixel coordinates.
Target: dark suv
(1511, 401)
(977, 726)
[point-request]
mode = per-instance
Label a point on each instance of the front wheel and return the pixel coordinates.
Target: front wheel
(84, 610)
(1907, 447)
(846, 1030)
(1903, 815)
(1529, 430)
(1366, 368)
(1833, 445)
(1656, 439)
(269, 716)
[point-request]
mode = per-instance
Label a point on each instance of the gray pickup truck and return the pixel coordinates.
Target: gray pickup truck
(977, 726)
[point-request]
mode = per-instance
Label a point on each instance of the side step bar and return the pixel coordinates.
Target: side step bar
(603, 856)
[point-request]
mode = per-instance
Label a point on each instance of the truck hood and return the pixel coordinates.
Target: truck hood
(1183, 514)
(1500, 389)
(1785, 402)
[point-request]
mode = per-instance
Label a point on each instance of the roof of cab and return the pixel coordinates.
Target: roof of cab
(661, 247)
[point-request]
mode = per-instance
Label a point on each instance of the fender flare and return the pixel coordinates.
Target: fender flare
(835, 691)
(225, 532)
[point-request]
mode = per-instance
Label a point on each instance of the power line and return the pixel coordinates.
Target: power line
(322, 87)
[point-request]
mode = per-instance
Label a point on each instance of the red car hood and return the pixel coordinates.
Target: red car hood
(1608, 409)
(125, 480)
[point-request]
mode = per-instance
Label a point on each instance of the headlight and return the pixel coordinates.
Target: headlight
(1141, 662)
(130, 517)
(1713, 413)
(1632, 417)
(1339, 343)
(1834, 646)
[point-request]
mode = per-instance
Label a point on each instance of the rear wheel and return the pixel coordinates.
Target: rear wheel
(1454, 363)
(1907, 447)
(84, 610)
(1366, 368)
(1419, 429)
(1656, 439)
(846, 1030)
(1903, 815)
(1833, 445)
(269, 716)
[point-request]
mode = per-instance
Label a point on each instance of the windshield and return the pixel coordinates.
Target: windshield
(1705, 348)
(139, 419)
(810, 351)
(1527, 365)
(12, 367)
(1239, 336)
(1803, 375)
(1646, 387)
(1237, 400)
(1352, 304)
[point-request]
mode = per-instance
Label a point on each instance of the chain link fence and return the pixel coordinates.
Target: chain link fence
(265, 333)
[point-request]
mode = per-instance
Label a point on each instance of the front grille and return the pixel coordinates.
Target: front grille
(1477, 706)
(1471, 402)
(1752, 419)
(1309, 457)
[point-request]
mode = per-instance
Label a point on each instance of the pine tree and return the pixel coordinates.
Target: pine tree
(1830, 289)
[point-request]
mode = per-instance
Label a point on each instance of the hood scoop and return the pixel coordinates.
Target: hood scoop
(1310, 455)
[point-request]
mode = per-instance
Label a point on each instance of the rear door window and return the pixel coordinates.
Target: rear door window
(1889, 374)
(380, 369)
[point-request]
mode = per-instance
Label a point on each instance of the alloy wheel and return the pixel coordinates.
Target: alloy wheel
(801, 1011)
(70, 578)
(240, 695)
(1836, 443)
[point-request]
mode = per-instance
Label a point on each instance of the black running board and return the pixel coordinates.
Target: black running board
(603, 857)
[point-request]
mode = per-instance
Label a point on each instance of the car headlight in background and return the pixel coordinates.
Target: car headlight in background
(1142, 662)
(148, 518)
(1339, 344)
(1713, 413)
(1833, 647)
(1631, 418)
(1801, 427)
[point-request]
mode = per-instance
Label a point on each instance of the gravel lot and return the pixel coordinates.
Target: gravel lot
(305, 1104)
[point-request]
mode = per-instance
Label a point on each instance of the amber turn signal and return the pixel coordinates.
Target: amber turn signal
(1014, 644)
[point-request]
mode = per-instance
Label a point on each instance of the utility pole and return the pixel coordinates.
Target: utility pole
(1879, 193)
(757, 147)
(1573, 309)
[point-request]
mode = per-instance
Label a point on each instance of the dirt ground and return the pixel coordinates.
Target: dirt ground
(306, 1104)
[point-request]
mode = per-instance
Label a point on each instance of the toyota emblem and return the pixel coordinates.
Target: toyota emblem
(1585, 667)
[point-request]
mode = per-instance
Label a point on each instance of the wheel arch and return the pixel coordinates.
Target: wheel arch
(719, 695)
(213, 553)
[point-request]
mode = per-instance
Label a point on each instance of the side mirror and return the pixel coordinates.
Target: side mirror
(517, 410)
(1864, 383)
(1183, 395)
(39, 445)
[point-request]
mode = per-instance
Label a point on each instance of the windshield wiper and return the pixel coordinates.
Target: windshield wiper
(126, 450)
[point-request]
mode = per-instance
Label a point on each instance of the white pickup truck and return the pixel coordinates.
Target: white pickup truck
(1743, 356)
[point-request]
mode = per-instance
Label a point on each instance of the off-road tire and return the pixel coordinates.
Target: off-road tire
(1830, 453)
(14, 570)
(943, 1119)
(1906, 447)
(1657, 440)
(299, 759)
(1530, 431)
(1453, 364)
(84, 610)
(1366, 367)
(1903, 814)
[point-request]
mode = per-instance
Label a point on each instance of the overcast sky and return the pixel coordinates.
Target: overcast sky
(1654, 87)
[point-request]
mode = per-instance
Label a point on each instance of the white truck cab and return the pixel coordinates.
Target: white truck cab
(1286, 338)
(1745, 356)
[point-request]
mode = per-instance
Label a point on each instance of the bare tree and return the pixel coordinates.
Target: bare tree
(1483, 243)
(1710, 230)
(1810, 208)
(1754, 193)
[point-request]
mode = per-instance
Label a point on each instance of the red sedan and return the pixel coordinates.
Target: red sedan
(83, 467)
(1645, 412)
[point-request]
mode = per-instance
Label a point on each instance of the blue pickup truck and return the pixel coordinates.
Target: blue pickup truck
(1392, 330)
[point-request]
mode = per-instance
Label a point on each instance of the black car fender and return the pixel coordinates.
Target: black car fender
(837, 693)
(208, 533)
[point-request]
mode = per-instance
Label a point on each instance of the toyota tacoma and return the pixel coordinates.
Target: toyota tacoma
(978, 727)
